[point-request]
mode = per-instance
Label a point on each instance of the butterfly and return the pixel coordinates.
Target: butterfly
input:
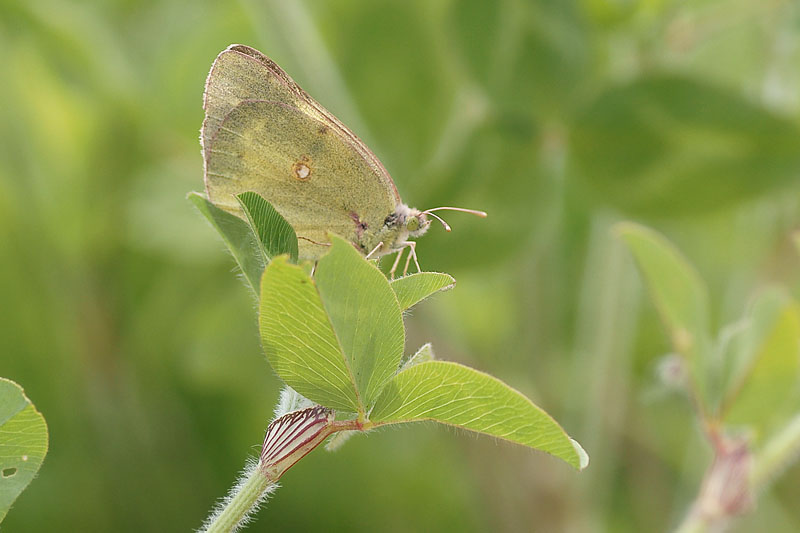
(263, 133)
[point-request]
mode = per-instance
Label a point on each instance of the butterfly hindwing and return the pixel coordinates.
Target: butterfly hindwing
(314, 177)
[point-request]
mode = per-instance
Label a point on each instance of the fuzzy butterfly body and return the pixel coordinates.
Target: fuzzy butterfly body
(263, 133)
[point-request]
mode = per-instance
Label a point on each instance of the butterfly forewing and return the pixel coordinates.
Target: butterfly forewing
(242, 74)
(235, 77)
(313, 178)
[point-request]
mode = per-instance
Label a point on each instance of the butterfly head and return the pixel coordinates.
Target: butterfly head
(416, 222)
(405, 223)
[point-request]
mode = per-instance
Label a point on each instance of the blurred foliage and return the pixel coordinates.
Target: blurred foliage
(122, 317)
(744, 388)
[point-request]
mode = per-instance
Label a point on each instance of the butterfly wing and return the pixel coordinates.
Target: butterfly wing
(313, 176)
(240, 74)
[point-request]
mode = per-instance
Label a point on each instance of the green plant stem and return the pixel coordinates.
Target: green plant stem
(259, 479)
(244, 499)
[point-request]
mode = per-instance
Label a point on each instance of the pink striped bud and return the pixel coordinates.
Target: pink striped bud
(292, 436)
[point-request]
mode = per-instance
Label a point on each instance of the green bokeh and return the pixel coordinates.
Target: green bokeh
(121, 315)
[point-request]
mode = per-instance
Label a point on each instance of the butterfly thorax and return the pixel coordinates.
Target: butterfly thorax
(398, 227)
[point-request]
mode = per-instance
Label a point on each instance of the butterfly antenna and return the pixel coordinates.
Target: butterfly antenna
(447, 227)
(440, 219)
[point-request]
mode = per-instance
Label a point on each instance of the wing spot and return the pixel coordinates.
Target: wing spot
(302, 168)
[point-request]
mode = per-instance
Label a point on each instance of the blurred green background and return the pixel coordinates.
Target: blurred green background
(122, 318)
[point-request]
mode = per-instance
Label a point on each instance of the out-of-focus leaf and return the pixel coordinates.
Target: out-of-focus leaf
(771, 383)
(276, 236)
(238, 237)
(299, 340)
(678, 293)
(740, 343)
(414, 288)
(23, 443)
(364, 313)
(667, 144)
(460, 396)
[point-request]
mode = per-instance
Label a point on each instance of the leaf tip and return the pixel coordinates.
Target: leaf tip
(197, 198)
(583, 457)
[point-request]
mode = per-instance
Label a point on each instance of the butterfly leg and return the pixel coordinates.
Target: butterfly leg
(374, 250)
(396, 263)
(412, 252)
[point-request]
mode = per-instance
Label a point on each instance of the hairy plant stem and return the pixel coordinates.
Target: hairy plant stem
(311, 427)
(244, 499)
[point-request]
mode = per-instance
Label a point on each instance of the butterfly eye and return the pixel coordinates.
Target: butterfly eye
(412, 224)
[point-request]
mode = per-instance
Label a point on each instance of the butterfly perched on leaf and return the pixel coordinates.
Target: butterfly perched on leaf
(265, 134)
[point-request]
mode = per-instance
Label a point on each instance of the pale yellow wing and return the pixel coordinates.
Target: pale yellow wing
(242, 73)
(311, 174)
